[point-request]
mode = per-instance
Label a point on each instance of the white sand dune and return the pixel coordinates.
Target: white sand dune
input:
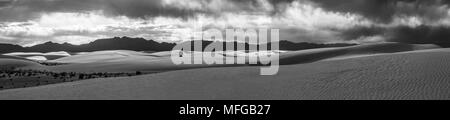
(407, 75)
(99, 56)
(132, 64)
(24, 54)
(120, 61)
(60, 53)
(39, 56)
(162, 54)
(11, 57)
(131, 61)
(17, 63)
(312, 55)
(249, 54)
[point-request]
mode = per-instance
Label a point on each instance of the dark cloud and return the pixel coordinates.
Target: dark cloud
(423, 34)
(385, 10)
(23, 10)
(375, 9)
(420, 35)
(358, 32)
(5, 3)
(142, 8)
(378, 11)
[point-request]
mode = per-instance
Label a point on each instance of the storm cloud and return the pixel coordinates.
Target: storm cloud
(22, 10)
(387, 10)
(28, 22)
(407, 21)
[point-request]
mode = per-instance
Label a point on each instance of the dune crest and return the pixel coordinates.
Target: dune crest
(39, 56)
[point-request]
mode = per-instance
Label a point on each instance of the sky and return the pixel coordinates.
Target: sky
(30, 22)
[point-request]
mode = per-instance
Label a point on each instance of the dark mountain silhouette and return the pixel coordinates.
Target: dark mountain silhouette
(127, 43)
(52, 47)
(288, 45)
(283, 45)
(116, 43)
(141, 44)
(5, 48)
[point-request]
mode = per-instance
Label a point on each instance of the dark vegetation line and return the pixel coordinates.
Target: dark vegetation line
(17, 78)
(45, 63)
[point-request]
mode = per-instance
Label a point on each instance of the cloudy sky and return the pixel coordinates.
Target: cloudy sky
(29, 22)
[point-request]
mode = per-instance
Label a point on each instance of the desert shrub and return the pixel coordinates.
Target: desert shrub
(138, 73)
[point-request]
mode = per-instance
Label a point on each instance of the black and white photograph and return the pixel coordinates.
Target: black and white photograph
(224, 50)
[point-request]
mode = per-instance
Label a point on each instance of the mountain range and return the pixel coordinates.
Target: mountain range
(140, 44)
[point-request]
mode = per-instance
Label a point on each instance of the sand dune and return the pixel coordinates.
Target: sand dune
(114, 61)
(162, 54)
(99, 56)
(408, 75)
(11, 57)
(127, 63)
(39, 56)
(23, 54)
(131, 61)
(17, 63)
(312, 55)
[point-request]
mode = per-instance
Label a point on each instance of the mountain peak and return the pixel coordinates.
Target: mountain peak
(136, 44)
(50, 42)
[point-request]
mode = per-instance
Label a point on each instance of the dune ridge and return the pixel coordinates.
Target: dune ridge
(40, 56)
(131, 61)
(312, 55)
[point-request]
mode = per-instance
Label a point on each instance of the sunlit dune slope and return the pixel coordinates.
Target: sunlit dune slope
(306, 56)
(39, 56)
(99, 56)
(17, 63)
(11, 57)
(127, 63)
(131, 61)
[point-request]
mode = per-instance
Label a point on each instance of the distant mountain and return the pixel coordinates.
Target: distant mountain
(116, 43)
(283, 45)
(127, 43)
(52, 47)
(288, 45)
(140, 44)
(5, 48)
